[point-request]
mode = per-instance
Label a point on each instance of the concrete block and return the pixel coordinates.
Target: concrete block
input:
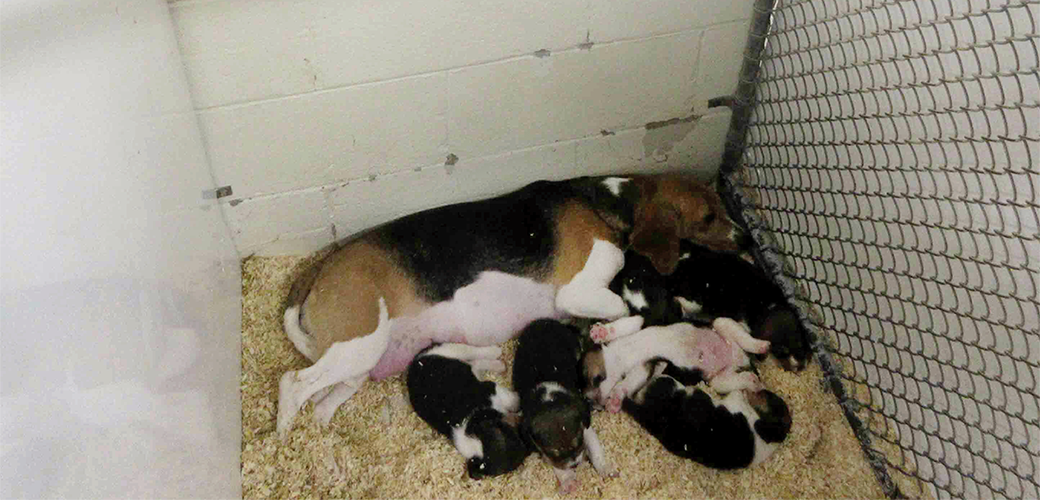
(720, 75)
(612, 20)
(240, 51)
(694, 145)
(527, 102)
(257, 222)
(363, 204)
(327, 137)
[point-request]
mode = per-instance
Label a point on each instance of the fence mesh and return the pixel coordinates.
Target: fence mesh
(887, 163)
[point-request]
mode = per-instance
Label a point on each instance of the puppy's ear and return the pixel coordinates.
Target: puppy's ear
(656, 236)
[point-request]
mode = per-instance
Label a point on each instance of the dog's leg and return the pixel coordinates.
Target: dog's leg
(629, 384)
(733, 332)
(598, 456)
(505, 401)
(482, 366)
(567, 479)
(605, 332)
(464, 352)
(326, 408)
(343, 361)
(587, 295)
(729, 381)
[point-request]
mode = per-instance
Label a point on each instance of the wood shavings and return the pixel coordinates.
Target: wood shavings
(376, 447)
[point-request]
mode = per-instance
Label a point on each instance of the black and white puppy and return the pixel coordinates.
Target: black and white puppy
(716, 355)
(478, 416)
(742, 429)
(555, 418)
(707, 285)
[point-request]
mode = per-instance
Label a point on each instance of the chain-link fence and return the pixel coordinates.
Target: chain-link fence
(885, 155)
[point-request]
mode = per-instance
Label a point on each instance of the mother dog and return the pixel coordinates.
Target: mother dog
(478, 272)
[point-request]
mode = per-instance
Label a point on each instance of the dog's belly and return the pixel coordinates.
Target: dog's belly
(489, 311)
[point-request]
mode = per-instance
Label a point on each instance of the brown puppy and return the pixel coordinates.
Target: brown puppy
(478, 272)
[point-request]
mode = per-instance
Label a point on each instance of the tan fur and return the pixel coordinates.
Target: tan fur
(673, 207)
(344, 302)
(593, 364)
(577, 226)
(340, 295)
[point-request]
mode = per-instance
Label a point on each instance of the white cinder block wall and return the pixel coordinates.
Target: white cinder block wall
(326, 117)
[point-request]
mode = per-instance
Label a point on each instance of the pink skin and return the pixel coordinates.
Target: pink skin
(718, 352)
(489, 311)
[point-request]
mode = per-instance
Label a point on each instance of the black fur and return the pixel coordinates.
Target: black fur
(691, 426)
(444, 392)
(549, 351)
(513, 233)
(725, 285)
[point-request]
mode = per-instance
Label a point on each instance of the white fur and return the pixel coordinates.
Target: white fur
(637, 299)
(597, 455)
(614, 184)
(551, 388)
(736, 333)
(587, 295)
(467, 445)
(342, 362)
(301, 339)
(688, 306)
(463, 352)
(736, 402)
(505, 401)
(619, 328)
(676, 343)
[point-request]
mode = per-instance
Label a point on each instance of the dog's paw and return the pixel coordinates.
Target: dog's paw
(599, 332)
(613, 404)
(760, 347)
(751, 382)
(568, 486)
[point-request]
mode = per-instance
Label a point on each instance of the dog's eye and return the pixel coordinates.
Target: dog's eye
(708, 219)
(598, 379)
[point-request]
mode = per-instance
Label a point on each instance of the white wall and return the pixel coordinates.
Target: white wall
(120, 313)
(326, 117)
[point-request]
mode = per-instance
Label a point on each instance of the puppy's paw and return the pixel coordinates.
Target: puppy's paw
(599, 332)
(608, 470)
(613, 404)
(568, 486)
(751, 382)
(760, 346)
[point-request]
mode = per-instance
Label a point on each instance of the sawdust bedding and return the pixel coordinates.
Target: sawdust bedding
(376, 447)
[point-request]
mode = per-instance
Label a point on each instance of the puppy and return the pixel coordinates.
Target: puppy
(707, 285)
(744, 428)
(479, 417)
(555, 419)
(717, 356)
(478, 272)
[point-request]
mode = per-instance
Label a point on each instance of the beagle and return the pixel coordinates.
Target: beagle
(555, 418)
(708, 285)
(739, 430)
(478, 416)
(717, 355)
(478, 272)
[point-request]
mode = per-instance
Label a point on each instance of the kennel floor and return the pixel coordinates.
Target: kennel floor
(376, 447)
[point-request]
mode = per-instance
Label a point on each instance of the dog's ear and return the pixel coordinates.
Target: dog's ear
(656, 236)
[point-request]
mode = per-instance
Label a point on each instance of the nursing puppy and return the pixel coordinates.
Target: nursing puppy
(476, 273)
(716, 356)
(477, 416)
(707, 285)
(555, 419)
(742, 429)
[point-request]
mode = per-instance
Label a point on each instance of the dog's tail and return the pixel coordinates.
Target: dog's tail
(301, 287)
(297, 335)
